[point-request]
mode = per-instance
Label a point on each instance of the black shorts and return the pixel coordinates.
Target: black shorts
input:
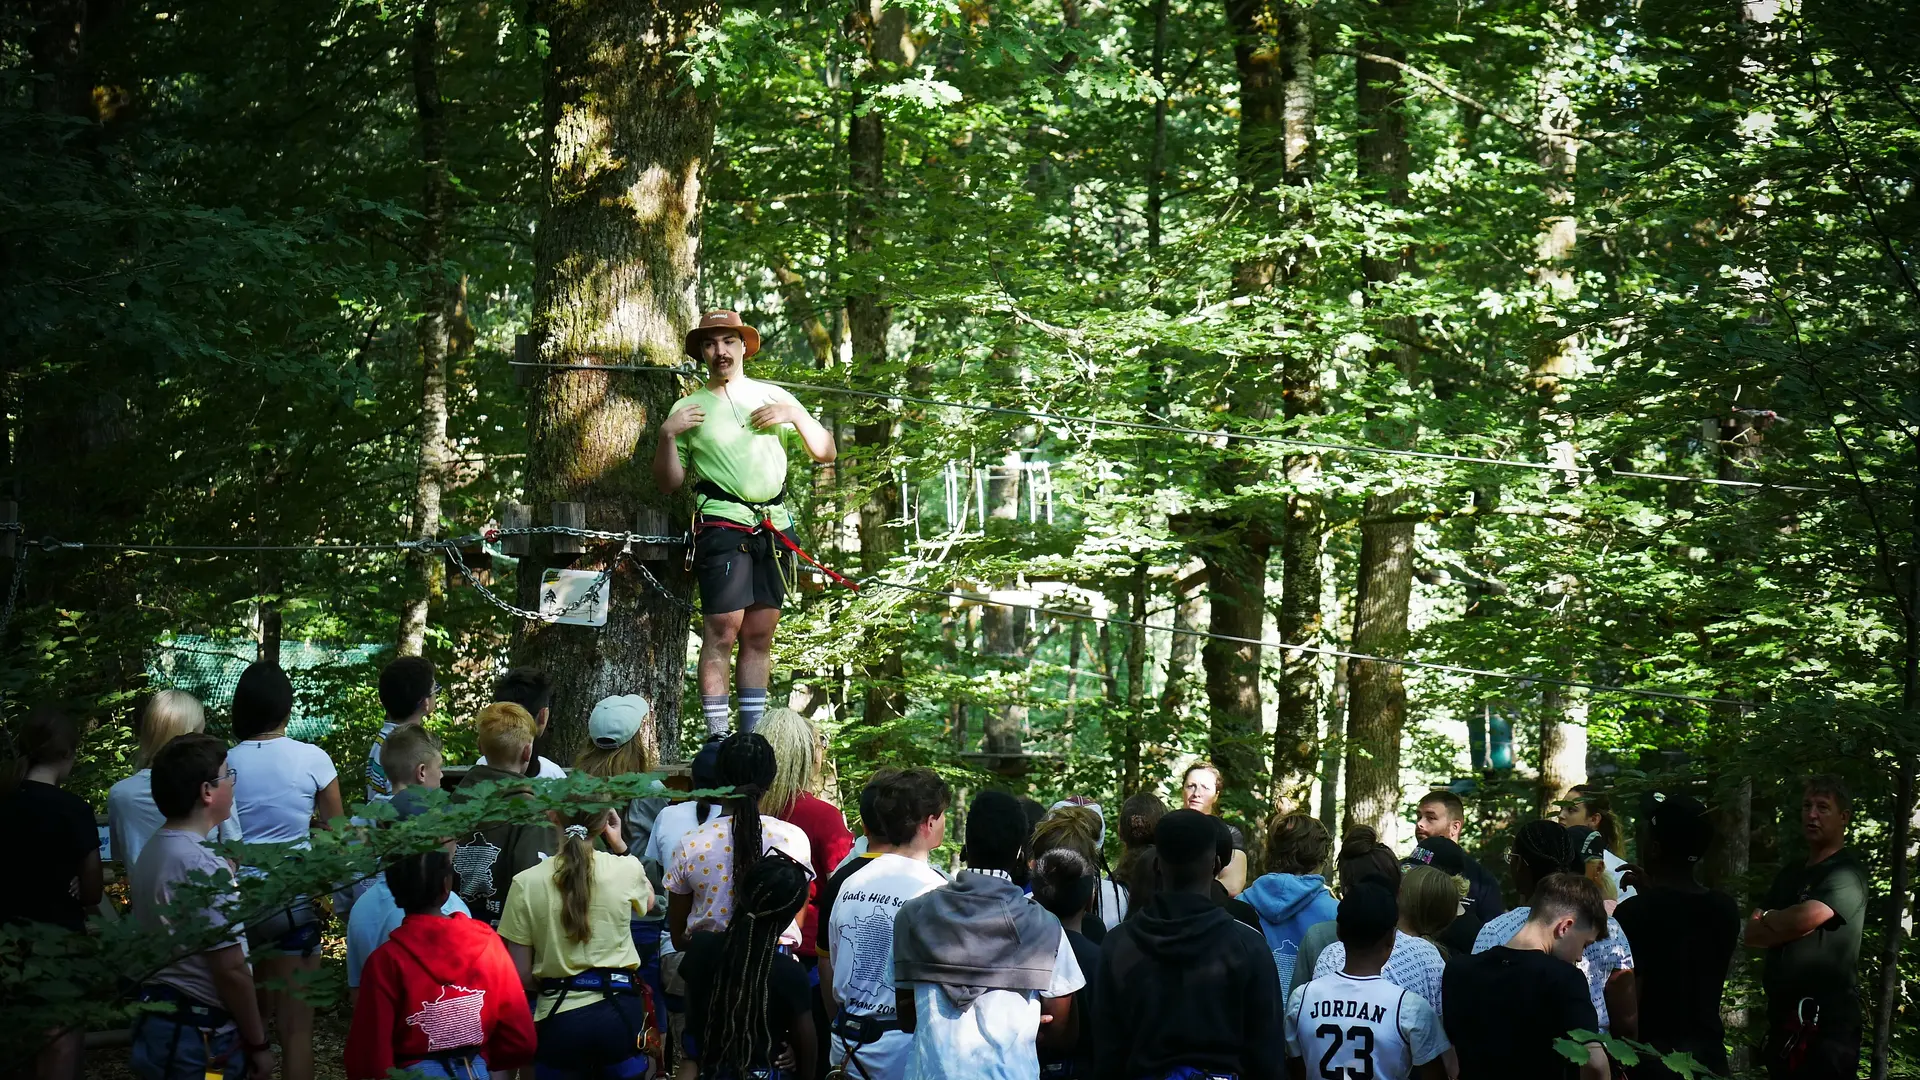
(738, 569)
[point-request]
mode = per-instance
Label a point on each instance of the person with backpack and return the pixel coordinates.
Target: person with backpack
(440, 997)
(567, 925)
(490, 857)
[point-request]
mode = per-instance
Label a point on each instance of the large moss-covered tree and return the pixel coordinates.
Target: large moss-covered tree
(617, 261)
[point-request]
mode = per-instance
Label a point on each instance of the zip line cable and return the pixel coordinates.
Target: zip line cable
(1176, 429)
(452, 546)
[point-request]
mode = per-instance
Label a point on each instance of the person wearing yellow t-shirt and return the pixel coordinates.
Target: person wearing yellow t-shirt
(568, 927)
(732, 433)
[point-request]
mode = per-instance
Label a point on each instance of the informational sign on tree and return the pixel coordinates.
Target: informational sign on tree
(574, 597)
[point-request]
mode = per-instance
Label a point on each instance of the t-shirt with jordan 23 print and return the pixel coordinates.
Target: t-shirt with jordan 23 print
(1598, 963)
(702, 866)
(1362, 1026)
(1413, 965)
(859, 936)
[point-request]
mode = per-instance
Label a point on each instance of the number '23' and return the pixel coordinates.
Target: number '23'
(1361, 1048)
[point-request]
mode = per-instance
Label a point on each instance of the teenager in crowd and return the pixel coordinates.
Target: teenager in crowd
(1414, 963)
(1138, 817)
(670, 826)
(1362, 857)
(797, 751)
(1441, 813)
(490, 857)
(440, 998)
(1810, 927)
(530, 689)
(567, 925)
(713, 856)
(1429, 903)
(1589, 807)
(748, 1001)
(1456, 938)
(411, 760)
(131, 815)
(1352, 1021)
(1683, 936)
(53, 848)
(905, 814)
(1590, 861)
(1540, 849)
(617, 746)
(283, 789)
(984, 975)
(1183, 988)
(1292, 895)
(1508, 1005)
(407, 692)
(1200, 790)
(1081, 829)
(206, 1017)
(1064, 883)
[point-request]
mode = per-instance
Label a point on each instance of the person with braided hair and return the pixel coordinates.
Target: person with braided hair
(748, 1001)
(567, 925)
(1543, 848)
(710, 858)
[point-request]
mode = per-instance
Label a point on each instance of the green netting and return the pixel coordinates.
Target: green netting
(209, 668)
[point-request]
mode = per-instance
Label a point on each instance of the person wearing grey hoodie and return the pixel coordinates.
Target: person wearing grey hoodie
(984, 976)
(1292, 895)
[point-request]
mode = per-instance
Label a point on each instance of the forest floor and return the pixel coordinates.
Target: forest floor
(329, 1029)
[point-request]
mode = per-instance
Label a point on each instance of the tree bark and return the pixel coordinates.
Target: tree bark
(425, 569)
(1377, 695)
(1157, 163)
(868, 319)
(1303, 527)
(1900, 821)
(1136, 678)
(1005, 629)
(616, 265)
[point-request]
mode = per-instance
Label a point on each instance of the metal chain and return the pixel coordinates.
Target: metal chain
(593, 534)
(588, 597)
(683, 605)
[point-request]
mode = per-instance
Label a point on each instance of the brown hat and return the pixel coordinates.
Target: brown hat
(722, 320)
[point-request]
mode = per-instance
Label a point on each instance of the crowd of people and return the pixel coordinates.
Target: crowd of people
(754, 937)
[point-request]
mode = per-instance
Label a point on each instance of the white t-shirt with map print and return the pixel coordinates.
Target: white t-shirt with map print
(1414, 965)
(1598, 963)
(860, 939)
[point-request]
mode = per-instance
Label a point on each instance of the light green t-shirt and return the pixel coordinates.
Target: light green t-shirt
(727, 450)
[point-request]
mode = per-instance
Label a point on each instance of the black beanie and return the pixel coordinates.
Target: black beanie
(1440, 853)
(996, 829)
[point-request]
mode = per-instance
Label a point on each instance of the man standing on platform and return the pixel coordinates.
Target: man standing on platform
(732, 433)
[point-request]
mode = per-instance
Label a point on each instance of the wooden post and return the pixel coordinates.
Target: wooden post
(572, 515)
(525, 351)
(516, 515)
(651, 521)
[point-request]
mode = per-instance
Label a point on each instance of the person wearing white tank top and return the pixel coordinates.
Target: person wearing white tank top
(1352, 1023)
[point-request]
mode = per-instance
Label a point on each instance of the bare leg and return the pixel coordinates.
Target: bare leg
(717, 636)
(756, 650)
(292, 1014)
(60, 1058)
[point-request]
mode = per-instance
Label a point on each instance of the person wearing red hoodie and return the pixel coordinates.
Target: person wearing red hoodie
(440, 997)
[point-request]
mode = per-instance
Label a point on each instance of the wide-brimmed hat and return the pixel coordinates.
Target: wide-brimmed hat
(721, 320)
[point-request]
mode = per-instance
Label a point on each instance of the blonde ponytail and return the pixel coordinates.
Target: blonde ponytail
(574, 875)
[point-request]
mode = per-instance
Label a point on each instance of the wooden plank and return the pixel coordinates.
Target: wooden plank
(525, 351)
(516, 515)
(570, 515)
(651, 521)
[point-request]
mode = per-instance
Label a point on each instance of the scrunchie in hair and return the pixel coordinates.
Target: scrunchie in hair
(578, 832)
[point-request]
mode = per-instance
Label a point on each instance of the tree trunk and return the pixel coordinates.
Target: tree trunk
(1188, 592)
(1900, 855)
(1563, 733)
(1005, 629)
(1157, 167)
(1237, 607)
(1136, 678)
(1377, 694)
(1297, 693)
(868, 319)
(1333, 749)
(424, 569)
(615, 269)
